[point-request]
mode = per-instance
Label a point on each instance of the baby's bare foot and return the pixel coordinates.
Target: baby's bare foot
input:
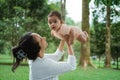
(86, 35)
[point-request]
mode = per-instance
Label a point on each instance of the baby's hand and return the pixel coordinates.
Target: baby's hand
(52, 33)
(85, 33)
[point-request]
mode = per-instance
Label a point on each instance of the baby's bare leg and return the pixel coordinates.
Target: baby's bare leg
(83, 37)
(71, 37)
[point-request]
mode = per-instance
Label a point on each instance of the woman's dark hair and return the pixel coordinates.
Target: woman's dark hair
(55, 13)
(28, 47)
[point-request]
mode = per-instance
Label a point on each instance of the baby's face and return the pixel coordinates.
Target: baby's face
(54, 23)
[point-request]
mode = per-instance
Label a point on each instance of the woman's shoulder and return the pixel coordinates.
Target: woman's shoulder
(41, 62)
(38, 59)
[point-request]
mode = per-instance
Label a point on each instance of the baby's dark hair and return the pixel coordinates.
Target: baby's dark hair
(28, 47)
(55, 13)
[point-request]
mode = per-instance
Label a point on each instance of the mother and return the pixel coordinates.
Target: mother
(42, 66)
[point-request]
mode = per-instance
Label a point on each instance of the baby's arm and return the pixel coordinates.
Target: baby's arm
(57, 35)
(65, 33)
(52, 32)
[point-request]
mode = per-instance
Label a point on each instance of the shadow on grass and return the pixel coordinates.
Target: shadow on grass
(23, 64)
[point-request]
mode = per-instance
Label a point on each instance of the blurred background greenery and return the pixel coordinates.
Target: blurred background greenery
(20, 16)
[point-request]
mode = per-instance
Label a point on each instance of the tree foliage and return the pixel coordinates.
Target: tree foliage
(115, 40)
(20, 16)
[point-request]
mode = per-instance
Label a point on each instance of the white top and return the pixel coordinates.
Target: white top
(48, 67)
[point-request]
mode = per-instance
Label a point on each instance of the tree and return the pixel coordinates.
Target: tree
(108, 4)
(85, 47)
(97, 37)
(63, 9)
(115, 47)
(20, 16)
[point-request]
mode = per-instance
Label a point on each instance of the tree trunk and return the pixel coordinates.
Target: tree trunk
(107, 49)
(63, 10)
(85, 47)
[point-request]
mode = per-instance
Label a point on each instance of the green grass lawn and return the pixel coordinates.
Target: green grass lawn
(92, 74)
(22, 72)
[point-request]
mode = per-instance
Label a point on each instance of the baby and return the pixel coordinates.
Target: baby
(60, 30)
